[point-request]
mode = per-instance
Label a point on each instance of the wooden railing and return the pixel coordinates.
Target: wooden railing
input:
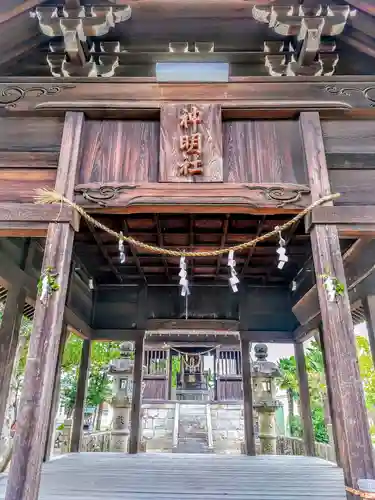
(294, 446)
(96, 441)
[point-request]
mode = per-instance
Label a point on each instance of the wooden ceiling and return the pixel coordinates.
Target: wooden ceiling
(99, 251)
(154, 24)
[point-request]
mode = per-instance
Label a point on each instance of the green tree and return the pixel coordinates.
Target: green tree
(99, 383)
(367, 371)
(288, 382)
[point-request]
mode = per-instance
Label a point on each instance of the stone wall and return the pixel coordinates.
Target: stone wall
(227, 427)
(157, 426)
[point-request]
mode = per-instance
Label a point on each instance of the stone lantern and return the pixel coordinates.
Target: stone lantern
(264, 374)
(121, 370)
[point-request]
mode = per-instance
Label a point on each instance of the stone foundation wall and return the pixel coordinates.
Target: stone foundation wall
(227, 427)
(157, 426)
(226, 419)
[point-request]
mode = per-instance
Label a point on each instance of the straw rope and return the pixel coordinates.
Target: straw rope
(45, 195)
(362, 494)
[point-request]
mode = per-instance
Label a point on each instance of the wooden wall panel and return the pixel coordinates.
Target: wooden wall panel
(260, 151)
(120, 151)
(171, 156)
(350, 152)
(18, 185)
(357, 187)
(352, 136)
(30, 134)
(28, 159)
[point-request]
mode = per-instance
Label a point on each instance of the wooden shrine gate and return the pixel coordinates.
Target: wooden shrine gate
(229, 385)
(156, 373)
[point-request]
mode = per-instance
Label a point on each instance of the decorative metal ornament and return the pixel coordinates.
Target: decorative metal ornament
(233, 279)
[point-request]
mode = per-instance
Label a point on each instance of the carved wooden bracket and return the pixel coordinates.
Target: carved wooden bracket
(103, 66)
(164, 197)
(308, 55)
(74, 26)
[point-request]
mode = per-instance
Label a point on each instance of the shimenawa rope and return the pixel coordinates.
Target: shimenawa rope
(362, 494)
(44, 196)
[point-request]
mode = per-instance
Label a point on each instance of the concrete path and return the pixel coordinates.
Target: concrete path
(110, 476)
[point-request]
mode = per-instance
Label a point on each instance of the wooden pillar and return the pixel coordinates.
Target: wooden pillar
(31, 432)
(369, 310)
(9, 334)
(50, 442)
(135, 431)
(338, 331)
(79, 406)
(247, 398)
(333, 411)
(304, 396)
(170, 368)
(9, 330)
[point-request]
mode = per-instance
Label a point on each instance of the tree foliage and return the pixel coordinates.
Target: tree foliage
(99, 383)
(317, 384)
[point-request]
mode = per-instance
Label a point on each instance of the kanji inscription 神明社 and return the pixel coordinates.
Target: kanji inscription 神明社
(191, 142)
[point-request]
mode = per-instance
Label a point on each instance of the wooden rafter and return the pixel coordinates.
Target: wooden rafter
(252, 249)
(191, 241)
(104, 252)
(20, 9)
(222, 243)
(135, 254)
(161, 243)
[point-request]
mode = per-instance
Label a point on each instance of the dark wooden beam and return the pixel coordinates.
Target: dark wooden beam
(135, 255)
(304, 396)
(359, 264)
(183, 336)
(257, 93)
(338, 329)
(192, 198)
(161, 243)
(9, 329)
(79, 406)
(222, 244)
(252, 249)
(16, 216)
(135, 428)
(31, 433)
(13, 274)
(247, 398)
(191, 246)
(353, 221)
(334, 412)
(24, 6)
(192, 324)
(50, 443)
(104, 251)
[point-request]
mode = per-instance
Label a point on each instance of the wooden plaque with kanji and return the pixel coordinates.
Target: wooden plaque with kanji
(191, 145)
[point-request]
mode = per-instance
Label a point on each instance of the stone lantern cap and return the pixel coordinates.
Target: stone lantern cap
(261, 367)
(124, 363)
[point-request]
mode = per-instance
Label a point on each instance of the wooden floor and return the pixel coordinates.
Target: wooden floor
(109, 476)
